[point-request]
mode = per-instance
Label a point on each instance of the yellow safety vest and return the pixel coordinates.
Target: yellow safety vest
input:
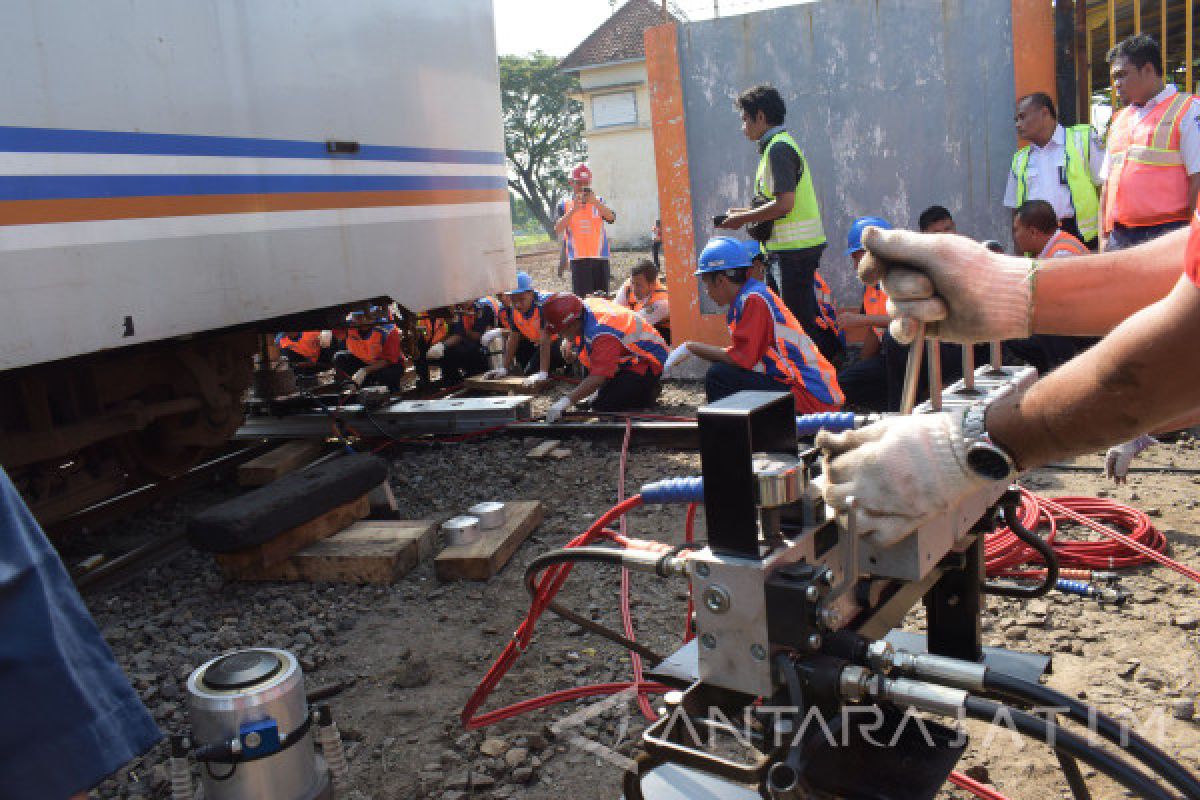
(1084, 195)
(800, 227)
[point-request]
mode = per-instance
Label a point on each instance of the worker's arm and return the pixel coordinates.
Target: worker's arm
(1137, 378)
(544, 345)
(656, 311)
(564, 220)
(711, 353)
(853, 319)
(511, 343)
(586, 387)
(969, 294)
(778, 207)
(606, 213)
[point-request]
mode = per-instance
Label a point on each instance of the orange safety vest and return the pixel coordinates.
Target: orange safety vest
(638, 338)
(530, 327)
(585, 235)
(379, 342)
(432, 329)
(472, 314)
(1064, 244)
(875, 303)
(307, 344)
(826, 310)
(790, 357)
(657, 292)
(1147, 181)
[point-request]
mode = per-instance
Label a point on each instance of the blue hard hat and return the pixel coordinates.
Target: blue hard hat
(854, 237)
(722, 253)
(753, 249)
(524, 283)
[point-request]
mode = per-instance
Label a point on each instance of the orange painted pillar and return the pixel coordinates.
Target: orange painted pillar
(1033, 47)
(675, 191)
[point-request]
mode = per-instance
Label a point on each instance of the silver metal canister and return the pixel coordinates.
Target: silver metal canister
(495, 352)
(490, 514)
(460, 530)
(249, 686)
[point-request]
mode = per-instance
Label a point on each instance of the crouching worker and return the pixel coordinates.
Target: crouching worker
(770, 351)
(372, 354)
(305, 348)
(622, 352)
(528, 347)
(463, 352)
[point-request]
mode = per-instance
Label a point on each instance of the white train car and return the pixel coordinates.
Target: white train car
(178, 174)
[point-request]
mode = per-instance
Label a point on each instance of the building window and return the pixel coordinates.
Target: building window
(617, 108)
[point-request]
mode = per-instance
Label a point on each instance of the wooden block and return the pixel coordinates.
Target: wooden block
(482, 559)
(544, 449)
(510, 385)
(242, 563)
(370, 551)
(559, 453)
(278, 462)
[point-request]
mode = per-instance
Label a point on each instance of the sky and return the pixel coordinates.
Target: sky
(556, 26)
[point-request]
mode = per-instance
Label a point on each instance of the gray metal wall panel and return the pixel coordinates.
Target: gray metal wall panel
(897, 104)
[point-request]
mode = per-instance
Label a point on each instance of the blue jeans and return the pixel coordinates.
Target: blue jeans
(1122, 238)
(722, 380)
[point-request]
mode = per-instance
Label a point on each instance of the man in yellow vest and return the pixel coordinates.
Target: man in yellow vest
(1059, 165)
(784, 202)
(1152, 170)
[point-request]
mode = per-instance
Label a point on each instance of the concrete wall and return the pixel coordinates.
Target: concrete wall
(897, 104)
(622, 156)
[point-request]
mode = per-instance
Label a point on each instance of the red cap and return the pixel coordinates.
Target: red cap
(581, 174)
(559, 310)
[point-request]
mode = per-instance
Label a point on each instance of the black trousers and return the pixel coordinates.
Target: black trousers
(656, 254)
(796, 269)
(865, 383)
(458, 361)
(627, 391)
(347, 363)
(589, 275)
(528, 360)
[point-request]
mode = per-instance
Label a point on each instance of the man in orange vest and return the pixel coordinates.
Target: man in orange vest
(305, 348)
(770, 350)
(1152, 168)
(372, 354)
(461, 352)
(581, 222)
(623, 353)
(645, 294)
(528, 347)
(1035, 230)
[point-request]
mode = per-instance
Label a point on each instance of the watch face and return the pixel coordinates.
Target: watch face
(988, 461)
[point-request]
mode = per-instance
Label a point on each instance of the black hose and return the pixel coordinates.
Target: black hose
(603, 555)
(1009, 504)
(1047, 731)
(1137, 746)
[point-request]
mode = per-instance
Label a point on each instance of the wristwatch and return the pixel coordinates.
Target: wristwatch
(985, 458)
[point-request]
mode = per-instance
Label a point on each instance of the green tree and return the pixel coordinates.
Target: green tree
(543, 131)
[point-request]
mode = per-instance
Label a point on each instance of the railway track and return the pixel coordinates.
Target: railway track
(160, 549)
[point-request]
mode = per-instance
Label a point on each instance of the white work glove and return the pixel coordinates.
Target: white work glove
(677, 356)
(490, 336)
(554, 414)
(535, 380)
(899, 471)
(493, 374)
(961, 290)
(435, 351)
(325, 339)
(1118, 459)
(360, 377)
(567, 350)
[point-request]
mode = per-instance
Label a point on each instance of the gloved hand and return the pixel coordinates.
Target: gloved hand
(325, 339)
(899, 471)
(435, 352)
(490, 336)
(554, 414)
(536, 379)
(492, 374)
(961, 290)
(360, 377)
(677, 356)
(1118, 459)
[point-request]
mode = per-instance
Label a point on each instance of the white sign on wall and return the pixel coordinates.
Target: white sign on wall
(617, 108)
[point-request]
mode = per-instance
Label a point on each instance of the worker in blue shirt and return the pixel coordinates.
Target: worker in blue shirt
(70, 716)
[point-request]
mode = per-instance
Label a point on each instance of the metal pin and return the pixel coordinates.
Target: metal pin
(912, 371)
(934, 357)
(997, 357)
(968, 367)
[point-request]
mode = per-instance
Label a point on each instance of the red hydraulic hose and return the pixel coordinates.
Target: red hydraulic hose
(975, 787)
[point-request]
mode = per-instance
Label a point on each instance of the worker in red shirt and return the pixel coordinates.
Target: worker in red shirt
(770, 351)
(372, 354)
(622, 352)
(904, 470)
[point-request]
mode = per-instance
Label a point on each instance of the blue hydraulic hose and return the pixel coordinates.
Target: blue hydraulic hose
(835, 421)
(674, 490)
